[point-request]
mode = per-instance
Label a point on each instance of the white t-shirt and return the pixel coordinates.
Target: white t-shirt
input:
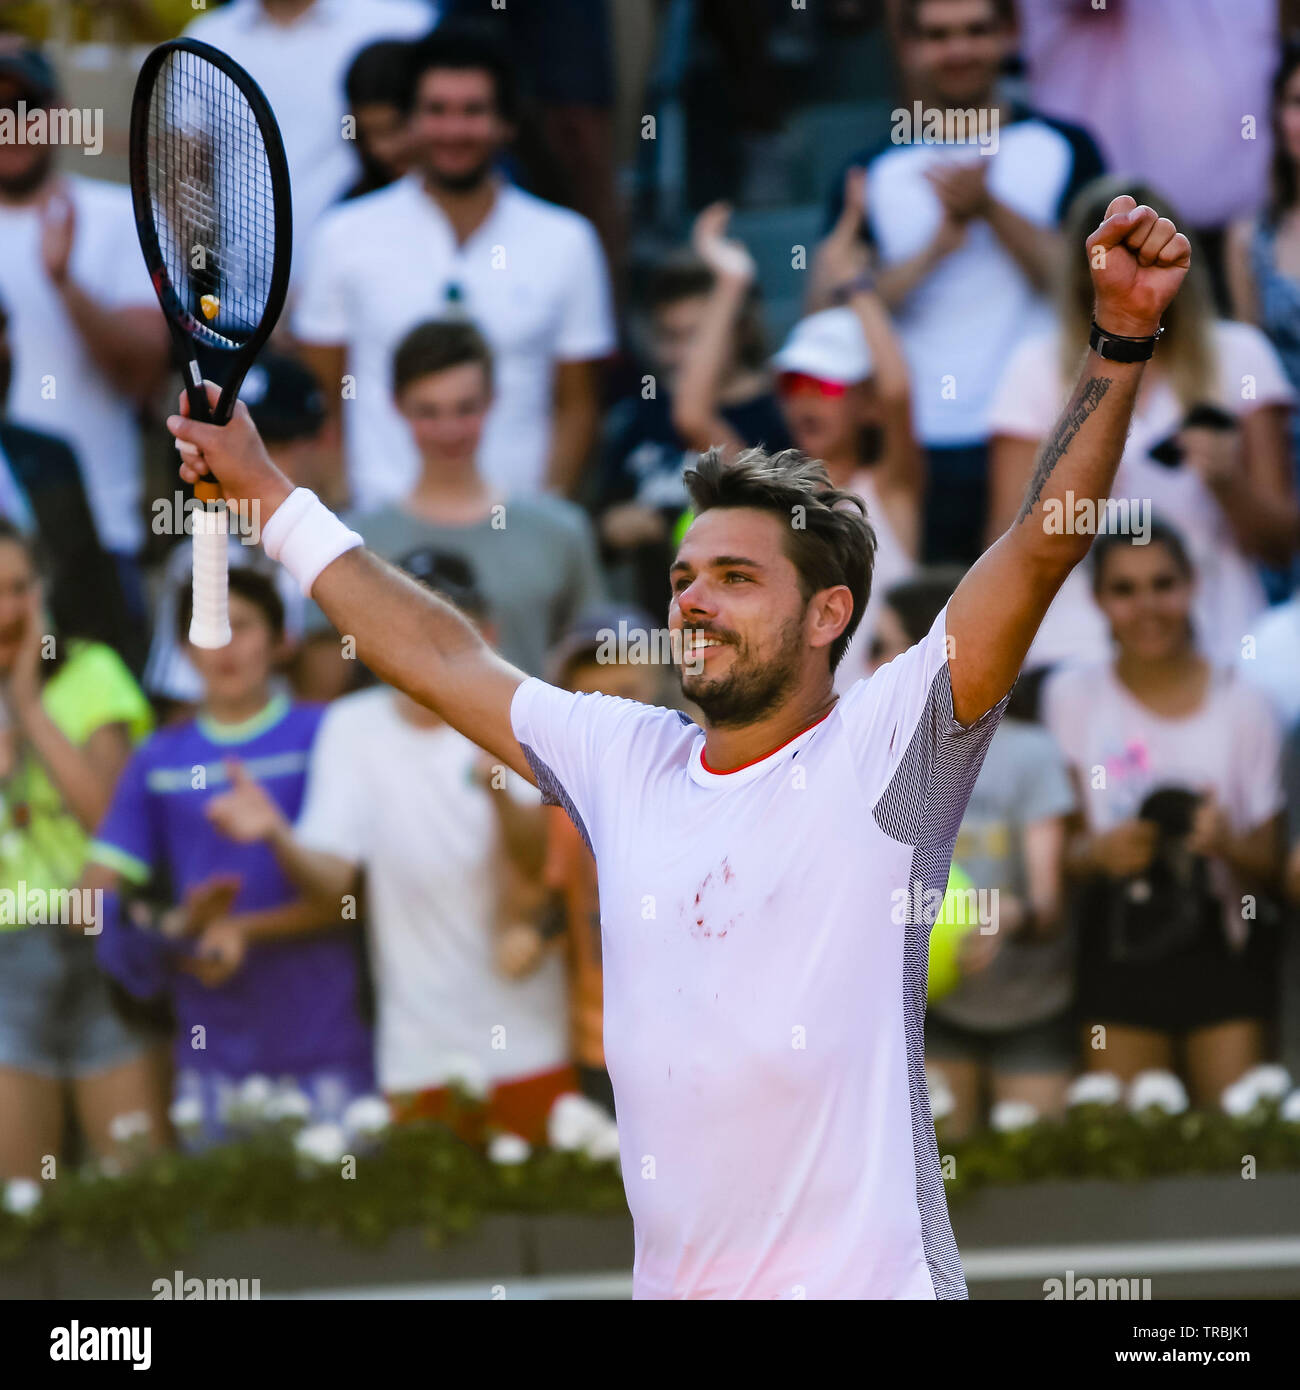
(57, 387)
(301, 66)
(1274, 666)
(532, 278)
(963, 319)
(403, 802)
(764, 992)
(1229, 595)
(1123, 751)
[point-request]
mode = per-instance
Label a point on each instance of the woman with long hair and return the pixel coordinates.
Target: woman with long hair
(1263, 251)
(1177, 849)
(73, 712)
(1207, 452)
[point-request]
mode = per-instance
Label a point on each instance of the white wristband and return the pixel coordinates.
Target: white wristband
(305, 536)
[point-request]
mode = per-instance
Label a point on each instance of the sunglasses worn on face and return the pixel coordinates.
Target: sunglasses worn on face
(799, 384)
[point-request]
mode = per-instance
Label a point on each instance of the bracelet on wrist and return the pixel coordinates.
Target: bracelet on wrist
(1116, 347)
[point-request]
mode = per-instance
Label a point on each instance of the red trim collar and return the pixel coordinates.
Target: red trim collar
(704, 762)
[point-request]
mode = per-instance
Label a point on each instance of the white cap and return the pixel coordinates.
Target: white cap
(830, 346)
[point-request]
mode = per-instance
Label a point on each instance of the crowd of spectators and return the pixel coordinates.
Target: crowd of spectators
(305, 876)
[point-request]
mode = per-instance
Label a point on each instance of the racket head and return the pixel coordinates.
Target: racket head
(210, 188)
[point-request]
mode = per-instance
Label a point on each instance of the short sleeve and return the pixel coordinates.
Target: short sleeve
(572, 742)
(106, 254)
(1029, 393)
(95, 688)
(917, 763)
(320, 315)
(1250, 370)
(335, 816)
(127, 840)
(587, 326)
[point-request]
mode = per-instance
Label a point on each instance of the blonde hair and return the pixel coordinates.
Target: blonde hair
(1187, 351)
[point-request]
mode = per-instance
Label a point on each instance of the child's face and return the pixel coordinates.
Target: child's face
(624, 679)
(242, 669)
(446, 410)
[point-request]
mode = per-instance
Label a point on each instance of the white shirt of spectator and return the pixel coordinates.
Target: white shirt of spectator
(1229, 596)
(532, 277)
(404, 803)
(959, 324)
(57, 387)
(300, 66)
(1122, 751)
(1272, 662)
(765, 980)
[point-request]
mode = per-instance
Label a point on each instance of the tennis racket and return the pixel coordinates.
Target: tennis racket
(212, 210)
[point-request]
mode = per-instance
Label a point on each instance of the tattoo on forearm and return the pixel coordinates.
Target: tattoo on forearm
(1086, 400)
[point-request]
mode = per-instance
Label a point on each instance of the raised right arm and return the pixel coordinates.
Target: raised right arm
(407, 636)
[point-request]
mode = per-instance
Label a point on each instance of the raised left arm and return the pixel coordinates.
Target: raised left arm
(1138, 260)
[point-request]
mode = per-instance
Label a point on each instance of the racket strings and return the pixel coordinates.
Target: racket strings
(212, 198)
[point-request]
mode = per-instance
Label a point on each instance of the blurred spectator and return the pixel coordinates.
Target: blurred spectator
(71, 712)
(1264, 250)
(535, 556)
(1271, 662)
(704, 333)
(452, 236)
(562, 52)
(844, 395)
(573, 909)
(372, 87)
(91, 343)
(298, 52)
(1228, 491)
(42, 493)
(964, 240)
(285, 401)
(263, 982)
(1005, 1033)
(1178, 851)
(1093, 64)
(398, 795)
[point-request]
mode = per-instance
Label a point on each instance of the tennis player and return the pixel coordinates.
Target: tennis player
(767, 878)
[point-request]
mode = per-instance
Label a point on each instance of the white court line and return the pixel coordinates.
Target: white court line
(1145, 1258)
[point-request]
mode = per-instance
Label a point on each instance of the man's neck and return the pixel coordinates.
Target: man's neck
(239, 709)
(453, 495)
(466, 210)
(727, 749)
(285, 12)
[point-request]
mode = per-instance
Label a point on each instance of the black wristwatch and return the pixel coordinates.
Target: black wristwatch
(1114, 347)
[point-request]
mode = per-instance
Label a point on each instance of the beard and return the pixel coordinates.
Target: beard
(462, 183)
(751, 689)
(19, 185)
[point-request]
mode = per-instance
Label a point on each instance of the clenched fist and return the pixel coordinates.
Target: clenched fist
(1138, 260)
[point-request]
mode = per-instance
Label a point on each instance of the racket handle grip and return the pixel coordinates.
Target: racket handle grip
(210, 621)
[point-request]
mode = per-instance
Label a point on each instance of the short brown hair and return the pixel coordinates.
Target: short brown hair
(833, 542)
(437, 346)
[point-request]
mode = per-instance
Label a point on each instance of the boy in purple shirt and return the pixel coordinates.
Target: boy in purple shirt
(260, 984)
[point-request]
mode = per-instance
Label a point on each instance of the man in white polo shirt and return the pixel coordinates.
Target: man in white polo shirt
(767, 878)
(453, 237)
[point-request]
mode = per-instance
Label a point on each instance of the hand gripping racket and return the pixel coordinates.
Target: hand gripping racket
(212, 211)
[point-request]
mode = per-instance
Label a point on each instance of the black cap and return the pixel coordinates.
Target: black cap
(27, 65)
(448, 574)
(284, 398)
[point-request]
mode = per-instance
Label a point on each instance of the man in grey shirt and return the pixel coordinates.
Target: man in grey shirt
(533, 557)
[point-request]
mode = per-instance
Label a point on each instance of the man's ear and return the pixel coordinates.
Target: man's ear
(831, 612)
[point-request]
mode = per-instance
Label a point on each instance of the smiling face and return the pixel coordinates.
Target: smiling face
(1146, 596)
(456, 130)
(446, 411)
(826, 420)
(955, 50)
(750, 638)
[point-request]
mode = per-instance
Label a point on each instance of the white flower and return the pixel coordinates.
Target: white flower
(509, 1149)
(324, 1144)
(1291, 1108)
(1008, 1115)
(1095, 1088)
(367, 1116)
(1157, 1090)
(575, 1122)
(1259, 1083)
(468, 1074)
(186, 1113)
(123, 1128)
(255, 1094)
(22, 1196)
(602, 1146)
(942, 1100)
(288, 1103)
